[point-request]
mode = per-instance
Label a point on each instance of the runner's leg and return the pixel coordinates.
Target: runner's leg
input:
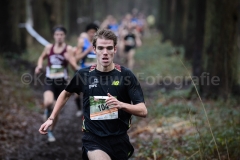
(98, 155)
(79, 103)
(57, 87)
(130, 58)
(48, 101)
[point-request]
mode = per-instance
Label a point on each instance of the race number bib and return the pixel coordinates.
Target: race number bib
(56, 71)
(99, 109)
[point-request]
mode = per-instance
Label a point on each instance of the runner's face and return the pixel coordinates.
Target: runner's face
(91, 33)
(105, 51)
(59, 36)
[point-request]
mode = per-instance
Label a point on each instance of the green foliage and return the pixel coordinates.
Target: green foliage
(199, 144)
(16, 92)
(168, 107)
(32, 53)
(159, 59)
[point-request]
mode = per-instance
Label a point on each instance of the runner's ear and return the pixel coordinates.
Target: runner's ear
(94, 49)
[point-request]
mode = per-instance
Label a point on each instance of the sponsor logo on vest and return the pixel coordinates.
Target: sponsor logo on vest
(94, 84)
(115, 83)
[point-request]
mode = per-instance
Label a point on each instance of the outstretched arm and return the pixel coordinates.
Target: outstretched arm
(62, 99)
(41, 58)
(136, 109)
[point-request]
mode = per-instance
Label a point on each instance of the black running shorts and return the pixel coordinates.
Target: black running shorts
(55, 85)
(128, 48)
(117, 147)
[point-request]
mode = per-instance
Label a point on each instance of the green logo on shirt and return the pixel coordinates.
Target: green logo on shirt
(115, 83)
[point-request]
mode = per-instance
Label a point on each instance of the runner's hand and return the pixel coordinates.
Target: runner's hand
(44, 127)
(38, 70)
(112, 102)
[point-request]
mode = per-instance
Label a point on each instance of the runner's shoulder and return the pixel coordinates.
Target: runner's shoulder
(69, 47)
(84, 70)
(80, 43)
(48, 46)
(126, 70)
(83, 35)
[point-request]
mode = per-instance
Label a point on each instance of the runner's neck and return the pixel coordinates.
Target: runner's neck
(59, 47)
(60, 44)
(105, 69)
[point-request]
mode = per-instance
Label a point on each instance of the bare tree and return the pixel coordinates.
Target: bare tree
(220, 48)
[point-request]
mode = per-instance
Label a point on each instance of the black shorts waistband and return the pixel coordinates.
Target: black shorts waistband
(109, 136)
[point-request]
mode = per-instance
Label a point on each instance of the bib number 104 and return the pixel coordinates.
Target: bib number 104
(102, 107)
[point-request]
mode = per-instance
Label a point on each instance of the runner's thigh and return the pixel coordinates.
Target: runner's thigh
(48, 97)
(98, 155)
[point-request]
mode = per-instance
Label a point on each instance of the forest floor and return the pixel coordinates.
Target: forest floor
(21, 116)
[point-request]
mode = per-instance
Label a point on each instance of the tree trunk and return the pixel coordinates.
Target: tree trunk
(220, 48)
(42, 17)
(172, 18)
(199, 37)
(12, 38)
(90, 10)
(185, 18)
(165, 18)
(177, 28)
(73, 14)
(191, 25)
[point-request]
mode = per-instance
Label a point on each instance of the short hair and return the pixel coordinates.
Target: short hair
(105, 34)
(59, 28)
(91, 26)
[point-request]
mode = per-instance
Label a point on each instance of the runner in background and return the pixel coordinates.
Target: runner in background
(84, 47)
(141, 24)
(126, 20)
(110, 23)
(130, 39)
(82, 52)
(138, 19)
(58, 55)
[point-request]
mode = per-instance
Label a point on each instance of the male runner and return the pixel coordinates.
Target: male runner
(83, 50)
(112, 95)
(84, 46)
(58, 55)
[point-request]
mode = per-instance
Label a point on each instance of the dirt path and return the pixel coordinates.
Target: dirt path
(68, 139)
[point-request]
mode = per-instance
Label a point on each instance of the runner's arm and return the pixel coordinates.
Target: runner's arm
(79, 54)
(41, 58)
(71, 59)
(79, 49)
(138, 39)
(61, 101)
(136, 109)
